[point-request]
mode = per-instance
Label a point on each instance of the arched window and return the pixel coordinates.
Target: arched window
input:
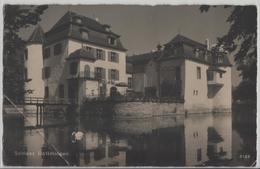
(87, 71)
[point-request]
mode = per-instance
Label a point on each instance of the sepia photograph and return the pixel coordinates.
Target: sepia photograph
(129, 85)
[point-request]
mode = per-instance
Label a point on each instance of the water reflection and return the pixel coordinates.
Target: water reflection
(198, 139)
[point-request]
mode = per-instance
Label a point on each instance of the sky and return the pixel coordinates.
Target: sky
(142, 28)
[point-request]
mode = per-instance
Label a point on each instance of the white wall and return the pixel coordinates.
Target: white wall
(34, 66)
(192, 100)
(196, 137)
(223, 125)
(223, 98)
(120, 66)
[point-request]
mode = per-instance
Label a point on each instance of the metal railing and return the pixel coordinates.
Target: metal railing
(41, 100)
(38, 131)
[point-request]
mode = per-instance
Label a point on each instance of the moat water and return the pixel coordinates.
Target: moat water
(209, 139)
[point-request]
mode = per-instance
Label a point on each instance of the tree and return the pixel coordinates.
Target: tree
(241, 39)
(15, 18)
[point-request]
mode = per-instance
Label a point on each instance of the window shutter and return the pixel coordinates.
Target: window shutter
(109, 56)
(94, 52)
(117, 57)
(43, 74)
(49, 72)
(103, 55)
(117, 75)
(103, 73)
(109, 74)
(95, 71)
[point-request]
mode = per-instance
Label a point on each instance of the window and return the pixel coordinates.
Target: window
(210, 75)
(220, 59)
(113, 57)
(87, 71)
(73, 68)
(195, 92)
(100, 73)
(88, 49)
(47, 72)
(61, 91)
(26, 54)
(46, 53)
(100, 54)
(198, 73)
(84, 34)
(57, 49)
(46, 92)
(199, 154)
(112, 41)
(178, 73)
(78, 20)
(130, 82)
(25, 74)
(114, 74)
(196, 52)
(220, 75)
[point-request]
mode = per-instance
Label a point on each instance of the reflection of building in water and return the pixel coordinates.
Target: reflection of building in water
(102, 150)
(176, 141)
(160, 141)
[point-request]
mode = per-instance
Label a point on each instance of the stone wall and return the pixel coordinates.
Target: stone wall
(147, 109)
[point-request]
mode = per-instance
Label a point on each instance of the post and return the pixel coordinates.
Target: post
(40, 114)
(37, 115)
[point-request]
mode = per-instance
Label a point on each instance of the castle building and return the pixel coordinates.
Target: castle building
(77, 58)
(186, 70)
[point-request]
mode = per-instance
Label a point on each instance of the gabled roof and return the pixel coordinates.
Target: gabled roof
(69, 27)
(37, 36)
(86, 21)
(183, 39)
(82, 54)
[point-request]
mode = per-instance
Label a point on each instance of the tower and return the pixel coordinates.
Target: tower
(34, 84)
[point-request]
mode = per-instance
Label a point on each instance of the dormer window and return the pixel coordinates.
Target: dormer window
(196, 52)
(78, 20)
(84, 34)
(220, 59)
(107, 28)
(112, 41)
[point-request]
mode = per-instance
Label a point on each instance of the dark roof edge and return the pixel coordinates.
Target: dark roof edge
(73, 38)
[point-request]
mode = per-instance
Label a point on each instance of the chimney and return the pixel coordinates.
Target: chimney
(207, 44)
(159, 47)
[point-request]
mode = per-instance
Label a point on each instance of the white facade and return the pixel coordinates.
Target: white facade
(33, 69)
(60, 70)
(196, 89)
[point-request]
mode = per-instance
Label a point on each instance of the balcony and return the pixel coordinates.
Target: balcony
(212, 79)
(89, 75)
(86, 75)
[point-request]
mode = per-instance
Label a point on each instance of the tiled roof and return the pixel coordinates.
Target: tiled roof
(68, 27)
(183, 39)
(144, 58)
(168, 53)
(87, 22)
(81, 54)
(129, 68)
(37, 36)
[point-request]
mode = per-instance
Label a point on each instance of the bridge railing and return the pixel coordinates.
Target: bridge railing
(40, 100)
